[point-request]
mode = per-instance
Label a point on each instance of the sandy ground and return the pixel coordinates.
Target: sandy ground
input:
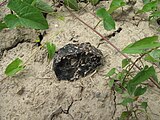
(36, 94)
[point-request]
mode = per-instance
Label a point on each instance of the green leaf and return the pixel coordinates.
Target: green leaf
(131, 88)
(153, 56)
(115, 5)
(145, 43)
(26, 15)
(12, 21)
(51, 48)
(2, 26)
(94, 2)
(149, 58)
(44, 7)
(118, 89)
(111, 72)
(151, 6)
(146, 1)
(29, 1)
(111, 83)
(155, 78)
(143, 75)
(72, 4)
(141, 45)
(144, 105)
(120, 75)
(126, 101)
(108, 21)
(14, 67)
(140, 91)
(125, 115)
(125, 62)
(129, 50)
(156, 54)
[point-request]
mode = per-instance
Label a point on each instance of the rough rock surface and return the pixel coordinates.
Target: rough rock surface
(76, 60)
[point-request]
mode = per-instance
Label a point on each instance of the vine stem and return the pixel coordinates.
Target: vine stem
(104, 38)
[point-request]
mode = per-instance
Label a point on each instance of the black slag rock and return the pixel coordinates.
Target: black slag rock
(76, 60)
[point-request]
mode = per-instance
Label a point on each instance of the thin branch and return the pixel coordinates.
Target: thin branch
(97, 24)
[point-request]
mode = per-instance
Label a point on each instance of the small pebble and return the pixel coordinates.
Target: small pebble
(20, 91)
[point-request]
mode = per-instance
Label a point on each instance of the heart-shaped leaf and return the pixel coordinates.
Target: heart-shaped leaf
(108, 21)
(26, 15)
